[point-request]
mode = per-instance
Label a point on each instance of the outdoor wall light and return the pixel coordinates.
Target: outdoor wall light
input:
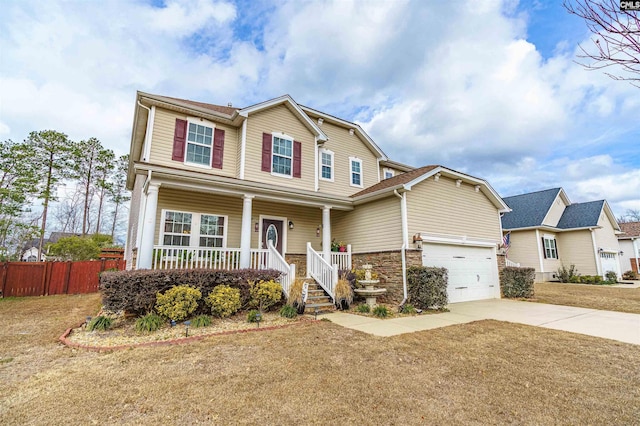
(600, 250)
(417, 240)
(290, 225)
(318, 231)
(621, 253)
(255, 227)
(258, 318)
(186, 330)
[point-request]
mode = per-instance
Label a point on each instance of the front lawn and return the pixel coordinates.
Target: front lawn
(486, 372)
(589, 296)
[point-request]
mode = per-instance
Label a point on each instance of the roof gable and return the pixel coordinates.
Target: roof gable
(581, 215)
(528, 210)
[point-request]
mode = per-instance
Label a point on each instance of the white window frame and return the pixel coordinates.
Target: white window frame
(550, 252)
(321, 165)
(351, 172)
(199, 122)
(273, 140)
(194, 235)
(387, 170)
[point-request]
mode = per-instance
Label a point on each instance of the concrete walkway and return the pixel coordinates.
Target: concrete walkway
(607, 324)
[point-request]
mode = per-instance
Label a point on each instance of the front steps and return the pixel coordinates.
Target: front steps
(317, 300)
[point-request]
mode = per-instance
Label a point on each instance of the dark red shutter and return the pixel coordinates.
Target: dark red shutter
(179, 138)
(266, 152)
(544, 250)
(218, 148)
(297, 159)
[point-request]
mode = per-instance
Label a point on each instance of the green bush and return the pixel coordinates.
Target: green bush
(201, 321)
(517, 282)
(288, 311)
(178, 302)
(591, 279)
(408, 309)
(363, 308)
(252, 315)
(100, 323)
(148, 323)
(611, 277)
(224, 301)
(75, 248)
(567, 275)
(427, 287)
(381, 311)
(265, 294)
(135, 291)
(630, 275)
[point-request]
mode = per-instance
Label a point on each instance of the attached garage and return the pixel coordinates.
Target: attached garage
(473, 269)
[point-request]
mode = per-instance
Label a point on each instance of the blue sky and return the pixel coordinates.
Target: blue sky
(488, 87)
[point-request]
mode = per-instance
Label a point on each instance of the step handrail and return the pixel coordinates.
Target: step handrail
(276, 261)
(321, 271)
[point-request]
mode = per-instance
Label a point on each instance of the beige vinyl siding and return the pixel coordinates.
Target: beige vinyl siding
(524, 249)
(555, 212)
(162, 145)
(576, 248)
(441, 207)
(194, 202)
(383, 168)
(305, 222)
(344, 146)
(373, 226)
(605, 236)
(279, 119)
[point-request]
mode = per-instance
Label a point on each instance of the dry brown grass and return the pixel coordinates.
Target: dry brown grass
(589, 296)
(486, 372)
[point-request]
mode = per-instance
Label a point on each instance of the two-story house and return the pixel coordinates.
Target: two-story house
(546, 231)
(274, 184)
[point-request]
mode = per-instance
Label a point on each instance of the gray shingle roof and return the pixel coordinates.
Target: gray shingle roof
(581, 215)
(528, 209)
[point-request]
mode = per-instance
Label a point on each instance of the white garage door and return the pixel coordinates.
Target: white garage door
(609, 262)
(472, 270)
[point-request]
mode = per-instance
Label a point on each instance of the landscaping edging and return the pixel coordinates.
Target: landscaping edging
(65, 341)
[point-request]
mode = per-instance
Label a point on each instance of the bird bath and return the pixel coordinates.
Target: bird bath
(369, 292)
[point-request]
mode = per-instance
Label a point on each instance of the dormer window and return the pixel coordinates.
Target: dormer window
(387, 173)
(282, 158)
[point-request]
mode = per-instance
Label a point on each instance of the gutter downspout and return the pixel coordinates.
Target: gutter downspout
(243, 147)
(596, 255)
(146, 149)
(141, 213)
(405, 237)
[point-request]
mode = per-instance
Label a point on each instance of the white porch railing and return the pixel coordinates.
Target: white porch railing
(324, 274)
(276, 261)
(511, 263)
(340, 258)
(259, 258)
(172, 257)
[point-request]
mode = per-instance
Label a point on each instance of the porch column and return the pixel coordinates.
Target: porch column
(145, 251)
(245, 232)
(326, 233)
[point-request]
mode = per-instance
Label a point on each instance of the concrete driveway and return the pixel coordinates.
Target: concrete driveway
(607, 324)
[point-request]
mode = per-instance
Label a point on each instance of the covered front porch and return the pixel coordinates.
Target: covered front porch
(207, 227)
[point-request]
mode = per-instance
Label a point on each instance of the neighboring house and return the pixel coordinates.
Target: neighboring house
(547, 231)
(30, 249)
(273, 184)
(630, 246)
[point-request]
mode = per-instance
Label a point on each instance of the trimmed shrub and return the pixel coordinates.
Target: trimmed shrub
(381, 311)
(611, 277)
(100, 323)
(135, 291)
(265, 294)
(567, 275)
(630, 275)
(517, 282)
(288, 311)
(427, 287)
(363, 308)
(178, 302)
(201, 321)
(224, 301)
(148, 323)
(590, 279)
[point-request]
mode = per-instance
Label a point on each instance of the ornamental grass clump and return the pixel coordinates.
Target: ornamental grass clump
(381, 311)
(201, 321)
(363, 308)
(149, 323)
(265, 294)
(344, 294)
(288, 311)
(224, 301)
(178, 302)
(296, 296)
(100, 323)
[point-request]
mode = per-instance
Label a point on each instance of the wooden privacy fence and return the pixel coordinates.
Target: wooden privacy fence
(47, 278)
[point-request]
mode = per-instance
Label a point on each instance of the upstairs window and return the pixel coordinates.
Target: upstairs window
(282, 157)
(355, 165)
(550, 247)
(199, 144)
(388, 173)
(326, 165)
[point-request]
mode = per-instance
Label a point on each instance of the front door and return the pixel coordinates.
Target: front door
(272, 230)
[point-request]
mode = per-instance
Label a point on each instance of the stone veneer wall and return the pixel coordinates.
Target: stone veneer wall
(388, 266)
(300, 260)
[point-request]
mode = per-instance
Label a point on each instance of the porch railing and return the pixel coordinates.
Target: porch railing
(511, 263)
(342, 259)
(172, 257)
(320, 270)
(276, 261)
